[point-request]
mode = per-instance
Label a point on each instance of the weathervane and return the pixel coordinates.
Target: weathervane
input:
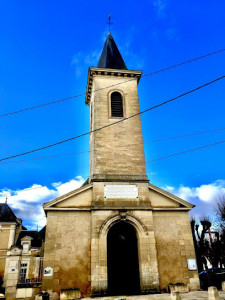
(109, 22)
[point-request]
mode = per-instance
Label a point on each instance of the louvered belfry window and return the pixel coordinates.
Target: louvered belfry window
(116, 105)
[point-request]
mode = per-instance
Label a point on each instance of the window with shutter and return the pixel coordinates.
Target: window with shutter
(116, 105)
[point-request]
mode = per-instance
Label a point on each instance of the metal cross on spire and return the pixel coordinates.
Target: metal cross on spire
(109, 22)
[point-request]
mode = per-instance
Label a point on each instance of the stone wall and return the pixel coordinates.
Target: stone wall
(76, 238)
(4, 236)
(27, 293)
(113, 157)
(2, 263)
(7, 233)
(67, 251)
(174, 243)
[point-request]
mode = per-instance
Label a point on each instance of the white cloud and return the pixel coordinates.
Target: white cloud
(69, 186)
(81, 61)
(204, 196)
(160, 6)
(128, 51)
(27, 203)
(205, 192)
(153, 173)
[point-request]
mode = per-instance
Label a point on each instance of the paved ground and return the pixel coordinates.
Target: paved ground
(202, 295)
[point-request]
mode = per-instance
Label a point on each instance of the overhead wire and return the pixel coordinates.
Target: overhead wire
(117, 122)
(83, 94)
(119, 147)
(186, 151)
(100, 89)
(153, 160)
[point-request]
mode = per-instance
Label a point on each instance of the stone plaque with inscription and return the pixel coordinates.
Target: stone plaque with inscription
(115, 191)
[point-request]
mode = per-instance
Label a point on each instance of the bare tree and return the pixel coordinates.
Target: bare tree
(209, 236)
(220, 225)
(220, 212)
(201, 241)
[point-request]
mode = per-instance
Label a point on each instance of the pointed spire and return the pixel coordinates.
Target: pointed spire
(111, 57)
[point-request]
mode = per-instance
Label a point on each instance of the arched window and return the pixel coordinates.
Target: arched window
(116, 105)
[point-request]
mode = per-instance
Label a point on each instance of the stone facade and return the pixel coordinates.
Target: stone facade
(68, 250)
(5, 231)
(14, 257)
(80, 224)
(116, 209)
(110, 158)
(10, 226)
(76, 239)
(15, 286)
(174, 246)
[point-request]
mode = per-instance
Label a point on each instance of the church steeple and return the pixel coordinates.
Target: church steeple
(111, 57)
(116, 153)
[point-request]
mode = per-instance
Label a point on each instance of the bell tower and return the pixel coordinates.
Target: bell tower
(131, 236)
(116, 152)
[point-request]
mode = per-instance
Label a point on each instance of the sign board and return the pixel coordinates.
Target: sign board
(115, 191)
(192, 264)
(48, 271)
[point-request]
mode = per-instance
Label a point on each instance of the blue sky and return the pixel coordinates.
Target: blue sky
(46, 49)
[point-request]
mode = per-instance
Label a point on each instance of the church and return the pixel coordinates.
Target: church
(117, 234)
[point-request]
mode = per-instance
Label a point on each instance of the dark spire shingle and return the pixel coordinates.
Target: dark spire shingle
(111, 57)
(6, 214)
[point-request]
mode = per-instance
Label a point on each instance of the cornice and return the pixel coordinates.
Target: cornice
(93, 71)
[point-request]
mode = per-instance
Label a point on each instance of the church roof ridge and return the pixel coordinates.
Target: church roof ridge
(171, 196)
(67, 195)
(110, 57)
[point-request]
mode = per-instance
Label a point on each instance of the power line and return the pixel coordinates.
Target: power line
(186, 135)
(160, 158)
(44, 157)
(100, 89)
(119, 147)
(186, 151)
(117, 122)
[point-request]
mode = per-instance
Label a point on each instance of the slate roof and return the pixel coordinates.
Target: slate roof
(111, 57)
(6, 214)
(42, 233)
(36, 238)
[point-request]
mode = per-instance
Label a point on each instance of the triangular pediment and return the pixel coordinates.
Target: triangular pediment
(26, 238)
(80, 197)
(14, 250)
(162, 199)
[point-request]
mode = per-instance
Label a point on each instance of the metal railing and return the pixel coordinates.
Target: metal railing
(24, 280)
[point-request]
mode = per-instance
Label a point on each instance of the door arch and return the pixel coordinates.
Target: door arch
(122, 260)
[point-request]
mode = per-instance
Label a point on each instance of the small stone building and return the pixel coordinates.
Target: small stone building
(21, 257)
(118, 234)
(10, 226)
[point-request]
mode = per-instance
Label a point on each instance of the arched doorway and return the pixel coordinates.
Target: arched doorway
(122, 260)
